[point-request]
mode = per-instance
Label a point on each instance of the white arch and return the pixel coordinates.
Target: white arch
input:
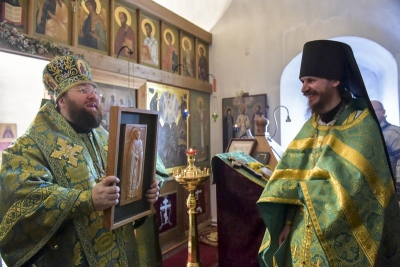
(378, 68)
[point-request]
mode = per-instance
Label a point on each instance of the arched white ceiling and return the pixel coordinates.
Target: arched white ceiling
(204, 13)
(378, 69)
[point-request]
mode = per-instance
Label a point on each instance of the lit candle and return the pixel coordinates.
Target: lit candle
(191, 151)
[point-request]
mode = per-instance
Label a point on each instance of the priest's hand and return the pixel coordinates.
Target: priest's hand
(105, 193)
(153, 192)
(284, 234)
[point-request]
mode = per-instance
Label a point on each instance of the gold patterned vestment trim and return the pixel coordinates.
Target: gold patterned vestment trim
(266, 241)
(360, 162)
(360, 232)
(347, 152)
(316, 224)
(23, 207)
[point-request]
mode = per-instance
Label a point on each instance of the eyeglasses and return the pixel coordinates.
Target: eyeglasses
(89, 90)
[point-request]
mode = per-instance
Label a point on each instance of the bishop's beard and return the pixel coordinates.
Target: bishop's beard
(82, 117)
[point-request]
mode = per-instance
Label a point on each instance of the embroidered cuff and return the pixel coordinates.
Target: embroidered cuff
(83, 204)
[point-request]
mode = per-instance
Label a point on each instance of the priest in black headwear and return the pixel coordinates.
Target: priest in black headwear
(331, 199)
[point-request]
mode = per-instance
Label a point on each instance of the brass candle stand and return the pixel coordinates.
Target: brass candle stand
(191, 178)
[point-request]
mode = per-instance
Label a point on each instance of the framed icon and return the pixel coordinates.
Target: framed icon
(131, 158)
(240, 114)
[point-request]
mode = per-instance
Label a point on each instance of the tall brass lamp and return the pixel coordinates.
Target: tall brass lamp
(192, 178)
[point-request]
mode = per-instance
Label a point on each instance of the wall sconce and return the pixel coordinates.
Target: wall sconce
(177, 66)
(235, 128)
(130, 52)
(214, 104)
(276, 123)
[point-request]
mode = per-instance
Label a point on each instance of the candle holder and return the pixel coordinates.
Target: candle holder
(191, 178)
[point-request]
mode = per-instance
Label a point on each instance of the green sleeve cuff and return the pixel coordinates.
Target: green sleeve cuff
(83, 204)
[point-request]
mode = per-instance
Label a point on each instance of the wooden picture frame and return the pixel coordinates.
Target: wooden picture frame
(15, 16)
(235, 122)
(122, 122)
(202, 61)
(188, 59)
(169, 48)
(53, 22)
(125, 32)
(246, 145)
(199, 123)
(173, 133)
(149, 43)
(99, 16)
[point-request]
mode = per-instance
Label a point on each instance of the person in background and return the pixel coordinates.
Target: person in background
(391, 133)
(331, 199)
(53, 187)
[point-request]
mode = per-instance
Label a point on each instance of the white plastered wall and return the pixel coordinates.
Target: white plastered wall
(21, 89)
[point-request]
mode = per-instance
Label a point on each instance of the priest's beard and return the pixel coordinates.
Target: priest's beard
(319, 106)
(81, 117)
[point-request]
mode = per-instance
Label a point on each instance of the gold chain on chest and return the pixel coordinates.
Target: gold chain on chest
(97, 160)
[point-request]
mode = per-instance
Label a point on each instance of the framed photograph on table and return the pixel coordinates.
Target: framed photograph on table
(132, 145)
(246, 145)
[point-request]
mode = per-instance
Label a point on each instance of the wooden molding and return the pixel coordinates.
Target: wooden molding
(120, 66)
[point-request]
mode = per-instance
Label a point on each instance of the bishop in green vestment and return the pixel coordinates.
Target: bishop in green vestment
(51, 196)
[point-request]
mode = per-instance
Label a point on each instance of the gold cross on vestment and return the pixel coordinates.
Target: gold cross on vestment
(67, 152)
